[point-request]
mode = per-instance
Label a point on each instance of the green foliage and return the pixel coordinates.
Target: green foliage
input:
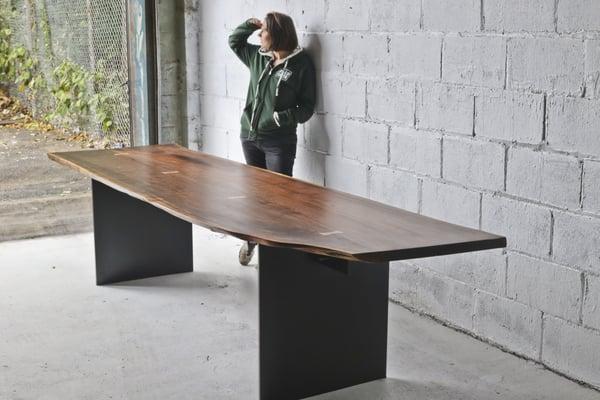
(78, 95)
(16, 63)
(77, 98)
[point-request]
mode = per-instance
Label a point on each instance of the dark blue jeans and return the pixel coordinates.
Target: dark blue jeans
(272, 155)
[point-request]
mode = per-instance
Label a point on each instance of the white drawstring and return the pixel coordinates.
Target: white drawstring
(256, 95)
(280, 77)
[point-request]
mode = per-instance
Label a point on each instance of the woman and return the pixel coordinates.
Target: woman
(281, 94)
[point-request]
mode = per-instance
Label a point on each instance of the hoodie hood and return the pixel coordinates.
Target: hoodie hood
(269, 53)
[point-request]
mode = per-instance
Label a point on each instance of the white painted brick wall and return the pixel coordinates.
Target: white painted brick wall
(423, 289)
(486, 117)
(551, 178)
(591, 302)
(526, 226)
(451, 203)
(366, 55)
(395, 15)
(592, 68)
(309, 166)
(485, 270)
(546, 64)
(416, 55)
(445, 107)
(474, 163)
(323, 133)
(214, 141)
(415, 151)
(510, 115)
(519, 15)
(365, 141)
(346, 175)
(474, 60)
(510, 324)
(571, 349)
(452, 15)
(577, 241)
(347, 15)
(591, 186)
(578, 15)
(573, 125)
(391, 100)
(546, 286)
(327, 51)
(394, 187)
(309, 15)
(237, 78)
(334, 87)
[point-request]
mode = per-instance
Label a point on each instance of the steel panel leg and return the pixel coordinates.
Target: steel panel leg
(135, 240)
(322, 323)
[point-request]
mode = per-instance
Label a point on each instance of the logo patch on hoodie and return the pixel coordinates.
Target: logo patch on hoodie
(284, 74)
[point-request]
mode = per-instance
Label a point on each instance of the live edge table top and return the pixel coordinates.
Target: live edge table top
(271, 208)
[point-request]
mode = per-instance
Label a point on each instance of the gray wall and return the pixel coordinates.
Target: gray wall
(483, 113)
(172, 76)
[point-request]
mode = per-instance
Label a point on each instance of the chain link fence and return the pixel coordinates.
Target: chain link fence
(79, 49)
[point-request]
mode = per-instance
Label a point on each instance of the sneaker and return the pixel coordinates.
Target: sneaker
(246, 252)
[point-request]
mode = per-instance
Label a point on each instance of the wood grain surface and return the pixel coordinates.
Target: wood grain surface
(271, 208)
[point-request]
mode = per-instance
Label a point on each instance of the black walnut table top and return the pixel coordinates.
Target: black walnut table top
(270, 208)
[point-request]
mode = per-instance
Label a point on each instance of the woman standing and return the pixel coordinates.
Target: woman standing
(281, 94)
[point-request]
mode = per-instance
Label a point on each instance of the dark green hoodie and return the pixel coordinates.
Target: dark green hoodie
(279, 98)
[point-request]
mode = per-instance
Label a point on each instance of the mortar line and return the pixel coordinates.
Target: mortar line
(481, 17)
(555, 16)
(420, 195)
(506, 64)
(474, 115)
(550, 252)
(480, 209)
(581, 176)
(506, 147)
(542, 336)
(389, 135)
(442, 57)
(421, 17)
(544, 118)
(416, 99)
(505, 275)
(442, 157)
(583, 292)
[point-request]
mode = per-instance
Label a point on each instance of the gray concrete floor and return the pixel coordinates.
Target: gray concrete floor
(194, 336)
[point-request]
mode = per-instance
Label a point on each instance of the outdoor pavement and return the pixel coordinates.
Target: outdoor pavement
(38, 197)
(194, 336)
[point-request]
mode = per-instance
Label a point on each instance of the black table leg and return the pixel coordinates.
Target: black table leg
(134, 239)
(322, 323)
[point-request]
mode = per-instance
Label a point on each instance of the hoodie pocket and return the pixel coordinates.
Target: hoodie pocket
(267, 122)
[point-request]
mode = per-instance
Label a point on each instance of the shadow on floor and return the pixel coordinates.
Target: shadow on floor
(398, 389)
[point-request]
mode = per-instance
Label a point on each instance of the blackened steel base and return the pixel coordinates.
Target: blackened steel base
(322, 323)
(136, 240)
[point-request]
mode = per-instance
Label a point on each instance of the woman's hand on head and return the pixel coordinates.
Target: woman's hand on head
(256, 22)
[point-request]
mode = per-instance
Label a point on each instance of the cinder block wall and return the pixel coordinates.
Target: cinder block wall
(484, 113)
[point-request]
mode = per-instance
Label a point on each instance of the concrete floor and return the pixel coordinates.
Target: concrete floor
(194, 336)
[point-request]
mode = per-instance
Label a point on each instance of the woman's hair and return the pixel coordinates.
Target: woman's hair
(282, 30)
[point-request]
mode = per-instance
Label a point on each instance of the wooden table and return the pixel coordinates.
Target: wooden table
(323, 254)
